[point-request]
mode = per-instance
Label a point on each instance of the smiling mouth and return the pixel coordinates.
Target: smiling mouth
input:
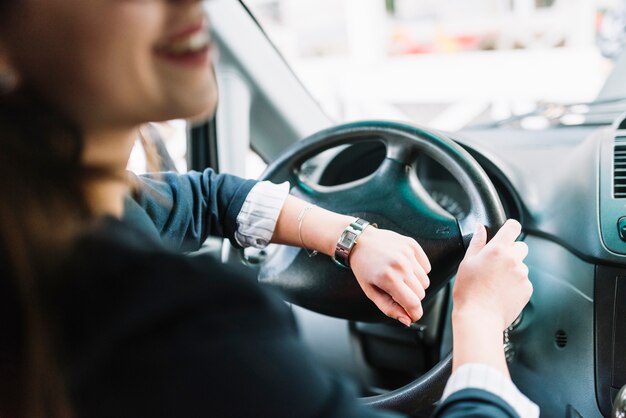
(197, 42)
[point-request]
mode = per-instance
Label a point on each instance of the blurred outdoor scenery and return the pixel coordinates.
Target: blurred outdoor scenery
(446, 64)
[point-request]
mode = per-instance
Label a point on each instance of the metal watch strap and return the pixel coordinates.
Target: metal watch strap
(347, 241)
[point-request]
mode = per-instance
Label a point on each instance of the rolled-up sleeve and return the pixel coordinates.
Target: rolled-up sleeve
(477, 390)
(187, 208)
(258, 215)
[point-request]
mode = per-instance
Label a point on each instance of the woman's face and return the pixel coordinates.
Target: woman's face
(114, 63)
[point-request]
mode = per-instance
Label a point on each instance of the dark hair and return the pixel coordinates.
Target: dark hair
(43, 207)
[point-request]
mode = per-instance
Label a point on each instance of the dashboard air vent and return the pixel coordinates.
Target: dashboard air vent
(560, 339)
(619, 168)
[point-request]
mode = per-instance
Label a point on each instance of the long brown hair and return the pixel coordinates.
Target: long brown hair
(43, 207)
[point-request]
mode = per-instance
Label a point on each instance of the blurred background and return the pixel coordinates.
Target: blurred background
(447, 64)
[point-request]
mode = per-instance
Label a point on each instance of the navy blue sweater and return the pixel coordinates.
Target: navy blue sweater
(148, 332)
(183, 210)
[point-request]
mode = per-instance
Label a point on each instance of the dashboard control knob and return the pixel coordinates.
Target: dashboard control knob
(621, 228)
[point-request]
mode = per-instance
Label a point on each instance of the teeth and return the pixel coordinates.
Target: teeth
(194, 43)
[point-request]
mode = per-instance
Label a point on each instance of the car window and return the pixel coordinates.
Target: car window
(445, 64)
(160, 147)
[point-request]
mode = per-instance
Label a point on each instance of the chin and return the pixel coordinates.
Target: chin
(201, 111)
(190, 110)
(198, 105)
(201, 116)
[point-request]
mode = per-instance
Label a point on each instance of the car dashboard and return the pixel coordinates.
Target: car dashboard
(567, 351)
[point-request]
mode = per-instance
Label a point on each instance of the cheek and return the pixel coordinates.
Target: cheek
(95, 59)
(110, 79)
(116, 69)
(88, 54)
(194, 95)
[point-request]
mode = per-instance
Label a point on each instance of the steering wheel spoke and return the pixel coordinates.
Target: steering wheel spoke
(330, 197)
(394, 198)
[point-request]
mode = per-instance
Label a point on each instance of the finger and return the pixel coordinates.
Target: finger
(508, 233)
(405, 297)
(421, 257)
(416, 286)
(420, 274)
(523, 270)
(520, 249)
(387, 305)
(478, 241)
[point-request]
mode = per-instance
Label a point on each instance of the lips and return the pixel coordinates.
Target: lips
(193, 39)
(194, 42)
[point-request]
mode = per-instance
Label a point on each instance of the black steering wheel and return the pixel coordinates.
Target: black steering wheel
(393, 198)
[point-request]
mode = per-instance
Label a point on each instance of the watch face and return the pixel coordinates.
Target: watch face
(347, 238)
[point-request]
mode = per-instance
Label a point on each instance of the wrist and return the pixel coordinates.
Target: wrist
(477, 337)
(470, 316)
(366, 234)
(334, 231)
(348, 239)
(323, 229)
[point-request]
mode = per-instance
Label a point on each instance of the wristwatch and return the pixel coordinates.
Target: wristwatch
(347, 241)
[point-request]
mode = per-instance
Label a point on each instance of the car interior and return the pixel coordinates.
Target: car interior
(565, 183)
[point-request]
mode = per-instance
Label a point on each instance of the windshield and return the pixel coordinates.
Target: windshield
(447, 64)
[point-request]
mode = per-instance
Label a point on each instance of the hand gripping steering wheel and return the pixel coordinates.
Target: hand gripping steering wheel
(393, 198)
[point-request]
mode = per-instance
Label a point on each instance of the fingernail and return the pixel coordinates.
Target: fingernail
(405, 321)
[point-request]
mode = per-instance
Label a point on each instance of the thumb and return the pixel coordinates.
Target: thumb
(478, 241)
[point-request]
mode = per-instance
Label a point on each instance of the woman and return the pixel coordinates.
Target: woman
(101, 320)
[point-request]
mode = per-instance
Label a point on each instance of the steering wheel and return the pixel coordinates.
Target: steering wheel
(394, 198)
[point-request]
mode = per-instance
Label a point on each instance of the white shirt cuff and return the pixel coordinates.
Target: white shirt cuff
(480, 376)
(257, 219)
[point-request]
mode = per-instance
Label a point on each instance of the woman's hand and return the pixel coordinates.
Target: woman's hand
(393, 272)
(390, 268)
(491, 289)
(492, 281)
